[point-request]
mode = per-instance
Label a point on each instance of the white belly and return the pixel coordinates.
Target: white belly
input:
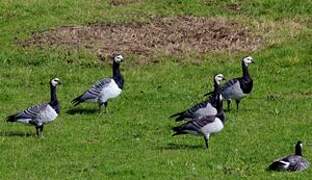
(110, 91)
(213, 127)
(26, 121)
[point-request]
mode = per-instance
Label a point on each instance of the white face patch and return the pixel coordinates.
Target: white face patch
(247, 60)
(219, 78)
(118, 58)
(55, 81)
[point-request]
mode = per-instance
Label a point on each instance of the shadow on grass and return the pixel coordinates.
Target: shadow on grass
(172, 146)
(15, 134)
(82, 111)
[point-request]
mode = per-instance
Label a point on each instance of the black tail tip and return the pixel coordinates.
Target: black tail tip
(180, 118)
(11, 118)
(76, 101)
(176, 129)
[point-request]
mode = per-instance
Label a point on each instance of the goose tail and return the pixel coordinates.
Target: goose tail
(178, 116)
(77, 101)
(11, 118)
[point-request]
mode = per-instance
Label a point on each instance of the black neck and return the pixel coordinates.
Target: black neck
(298, 150)
(219, 106)
(217, 93)
(216, 86)
(245, 70)
(215, 98)
(221, 116)
(117, 75)
(54, 102)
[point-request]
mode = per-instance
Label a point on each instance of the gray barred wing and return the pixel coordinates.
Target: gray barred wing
(31, 112)
(94, 92)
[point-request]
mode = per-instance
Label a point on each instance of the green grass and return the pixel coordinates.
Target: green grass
(134, 140)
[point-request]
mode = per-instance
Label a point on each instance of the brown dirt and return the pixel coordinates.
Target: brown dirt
(169, 36)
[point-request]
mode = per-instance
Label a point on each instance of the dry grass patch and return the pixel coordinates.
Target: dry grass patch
(172, 35)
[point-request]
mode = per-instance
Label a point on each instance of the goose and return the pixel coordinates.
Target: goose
(104, 89)
(240, 87)
(41, 114)
(207, 107)
(293, 162)
(204, 125)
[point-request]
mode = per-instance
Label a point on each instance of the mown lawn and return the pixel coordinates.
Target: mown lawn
(133, 140)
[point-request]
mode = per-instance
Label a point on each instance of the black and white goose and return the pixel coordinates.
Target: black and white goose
(207, 107)
(293, 162)
(39, 115)
(204, 125)
(104, 89)
(240, 87)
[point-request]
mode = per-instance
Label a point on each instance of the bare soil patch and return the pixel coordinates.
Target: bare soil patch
(169, 36)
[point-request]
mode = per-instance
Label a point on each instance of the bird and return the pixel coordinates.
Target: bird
(41, 114)
(207, 107)
(293, 162)
(104, 89)
(240, 87)
(204, 125)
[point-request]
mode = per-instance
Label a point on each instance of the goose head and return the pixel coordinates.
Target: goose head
(55, 81)
(218, 78)
(247, 60)
(117, 58)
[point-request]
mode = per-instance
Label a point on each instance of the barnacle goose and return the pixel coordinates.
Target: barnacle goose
(207, 107)
(204, 125)
(240, 87)
(292, 162)
(39, 115)
(104, 89)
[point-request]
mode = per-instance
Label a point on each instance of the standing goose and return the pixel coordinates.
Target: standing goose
(204, 125)
(39, 115)
(240, 87)
(208, 107)
(104, 89)
(292, 162)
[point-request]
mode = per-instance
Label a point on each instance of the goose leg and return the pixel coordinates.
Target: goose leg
(206, 138)
(39, 131)
(105, 105)
(101, 105)
(228, 105)
(237, 103)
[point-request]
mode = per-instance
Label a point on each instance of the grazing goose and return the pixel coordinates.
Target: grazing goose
(204, 125)
(208, 107)
(292, 162)
(41, 114)
(104, 89)
(240, 87)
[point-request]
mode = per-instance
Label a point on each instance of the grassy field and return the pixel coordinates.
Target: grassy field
(133, 141)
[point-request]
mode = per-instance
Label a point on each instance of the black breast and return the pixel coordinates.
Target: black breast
(56, 106)
(246, 84)
(119, 81)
